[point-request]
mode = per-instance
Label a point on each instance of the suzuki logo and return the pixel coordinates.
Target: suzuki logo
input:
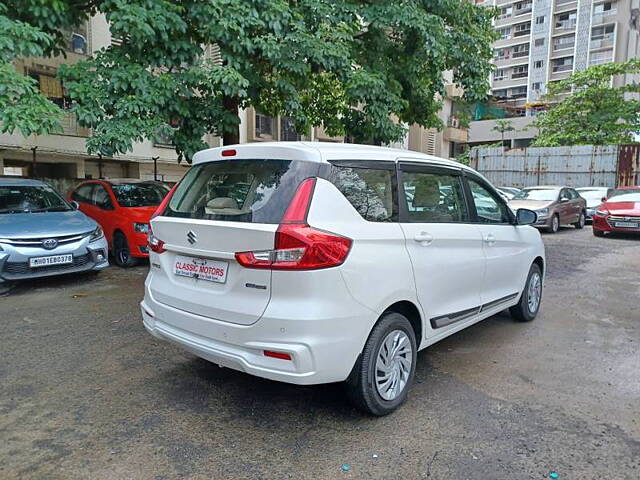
(192, 237)
(50, 243)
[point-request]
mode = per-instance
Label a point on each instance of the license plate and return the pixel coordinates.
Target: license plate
(52, 260)
(201, 268)
(627, 224)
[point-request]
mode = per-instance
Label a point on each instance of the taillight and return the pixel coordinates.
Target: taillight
(155, 244)
(165, 201)
(299, 246)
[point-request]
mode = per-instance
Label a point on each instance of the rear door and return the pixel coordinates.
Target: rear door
(220, 208)
(444, 246)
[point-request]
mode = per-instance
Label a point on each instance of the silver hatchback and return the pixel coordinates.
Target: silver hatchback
(41, 234)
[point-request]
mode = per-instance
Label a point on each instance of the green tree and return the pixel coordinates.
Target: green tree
(359, 68)
(594, 112)
(503, 126)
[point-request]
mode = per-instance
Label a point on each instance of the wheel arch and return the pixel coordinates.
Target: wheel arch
(540, 262)
(412, 312)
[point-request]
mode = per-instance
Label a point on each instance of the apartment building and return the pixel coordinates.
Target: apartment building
(63, 157)
(542, 41)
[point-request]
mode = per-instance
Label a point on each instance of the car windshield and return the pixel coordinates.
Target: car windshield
(625, 196)
(140, 194)
(547, 194)
(595, 194)
(31, 199)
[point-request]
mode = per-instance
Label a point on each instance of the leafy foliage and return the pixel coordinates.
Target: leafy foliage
(358, 68)
(594, 112)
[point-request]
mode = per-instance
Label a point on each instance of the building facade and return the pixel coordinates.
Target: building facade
(63, 158)
(543, 41)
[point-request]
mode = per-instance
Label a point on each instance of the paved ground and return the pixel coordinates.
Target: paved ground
(86, 393)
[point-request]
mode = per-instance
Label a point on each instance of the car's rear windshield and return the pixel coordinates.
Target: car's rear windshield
(140, 194)
(595, 194)
(31, 199)
(537, 194)
(253, 191)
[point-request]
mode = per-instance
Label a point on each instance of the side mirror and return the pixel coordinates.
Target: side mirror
(603, 199)
(75, 205)
(524, 216)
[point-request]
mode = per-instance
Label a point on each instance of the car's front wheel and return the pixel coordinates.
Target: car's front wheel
(554, 226)
(381, 378)
(529, 305)
(121, 253)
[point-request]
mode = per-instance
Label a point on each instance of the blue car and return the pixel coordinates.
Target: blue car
(41, 234)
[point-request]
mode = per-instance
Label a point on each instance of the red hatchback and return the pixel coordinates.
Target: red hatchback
(123, 209)
(618, 213)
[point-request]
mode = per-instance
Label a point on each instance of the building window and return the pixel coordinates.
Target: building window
(520, 71)
(562, 64)
(540, 20)
(600, 33)
(539, 42)
(536, 86)
(567, 41)
(51, 87)
(538, 64)
(606, 8)
(499, 74)
(522, 29)
(76, 39)
(566, 21)
(603, 56)
(505, 33)
(521, 50)
(264, 126)
(523, 7)
(505, 12)
(288, 131)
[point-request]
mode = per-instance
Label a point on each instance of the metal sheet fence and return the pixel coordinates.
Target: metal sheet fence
(577, 166)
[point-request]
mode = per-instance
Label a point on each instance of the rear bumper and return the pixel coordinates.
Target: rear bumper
(323, 348)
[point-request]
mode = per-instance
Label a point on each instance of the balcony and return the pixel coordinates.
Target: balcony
(602, 42)
(599, 60)
(602, 17)
(71, 127)
(563, 45)
(519, 75)
(562, 5)
(561, 68)
(522, 33)
(453, 132)
(565, 25)
(524, 53)
(522, 11)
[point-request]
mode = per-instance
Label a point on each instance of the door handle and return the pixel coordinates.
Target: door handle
(490, 240)
(424, 238)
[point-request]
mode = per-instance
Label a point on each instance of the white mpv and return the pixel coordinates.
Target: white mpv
(312, 263)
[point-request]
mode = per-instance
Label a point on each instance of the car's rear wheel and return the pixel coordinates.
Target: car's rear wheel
(121, 253)
(581, 221)
(554, 226)
(529, 305)
(598, 233)
(381, 378)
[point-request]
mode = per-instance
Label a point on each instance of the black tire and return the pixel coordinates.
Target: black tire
(554, 225)
(598, 233)
(360, 386)
(581, 221)
(121, 253)
(522, 311)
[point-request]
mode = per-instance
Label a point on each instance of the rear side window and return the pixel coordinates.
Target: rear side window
(369, 190)
(253, 191)
(434, 197)
(83, 193)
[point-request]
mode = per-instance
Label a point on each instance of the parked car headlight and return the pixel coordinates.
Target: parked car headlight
(543, 212)
(97, 234)
(601, 212)
(141, 227)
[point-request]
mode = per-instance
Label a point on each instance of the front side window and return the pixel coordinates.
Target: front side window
(251, 191)
(369, 190)
(101, 197)
(434, 197)
(139, 194)
(31, 199)
(488, 208)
